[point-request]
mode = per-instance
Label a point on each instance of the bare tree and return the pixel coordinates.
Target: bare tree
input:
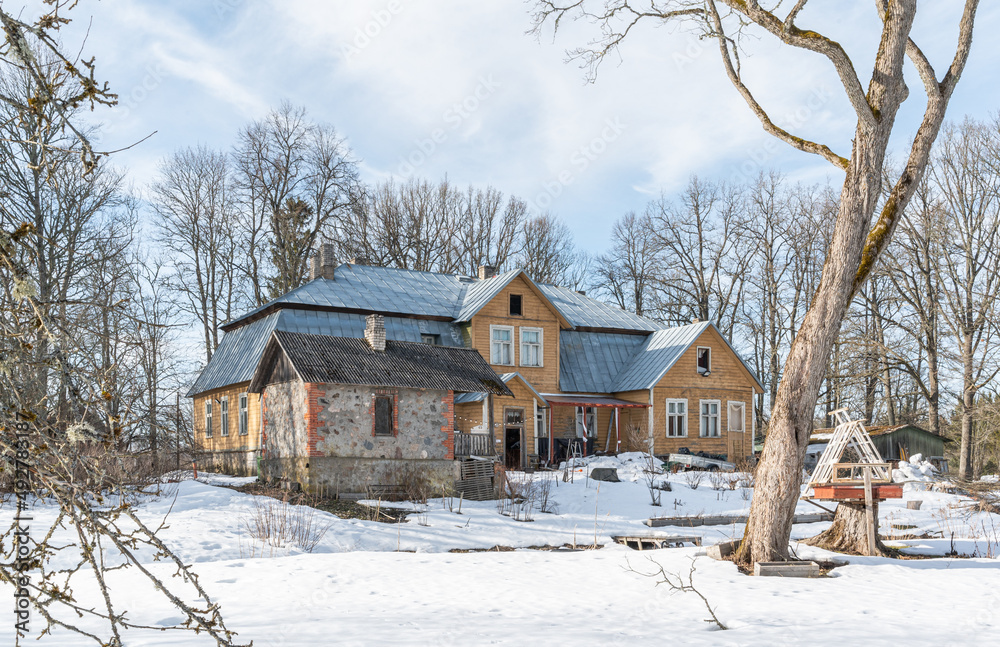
(705, 260)
(860, 235)
(547, 254)
(193, 198)
(970, 263)
(626, 273)
(283, 157)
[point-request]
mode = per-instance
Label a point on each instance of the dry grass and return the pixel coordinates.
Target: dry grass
(276, 524)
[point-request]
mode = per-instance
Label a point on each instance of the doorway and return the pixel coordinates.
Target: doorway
(513, 438)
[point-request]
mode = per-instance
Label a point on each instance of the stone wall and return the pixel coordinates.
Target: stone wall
(343, 423)
(285, 420)
(322, 436)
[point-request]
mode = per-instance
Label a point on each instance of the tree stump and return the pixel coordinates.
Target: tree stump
(849, 532)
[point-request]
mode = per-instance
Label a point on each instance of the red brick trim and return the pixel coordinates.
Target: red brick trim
(448, 408)
(313, 409)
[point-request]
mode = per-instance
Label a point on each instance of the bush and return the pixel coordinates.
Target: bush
(277, 524)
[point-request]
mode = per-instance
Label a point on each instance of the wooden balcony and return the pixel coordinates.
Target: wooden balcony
(473, 445)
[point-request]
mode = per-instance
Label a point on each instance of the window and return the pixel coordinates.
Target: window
(531, 346)
(208, 418)
(244, 426)
(502, 345)
(383, 416)
(677, 416)
(586, 422)
(704, 360)
(433, 340)
(709, 418)
(224, 415)
(737, 416)
(516, 305)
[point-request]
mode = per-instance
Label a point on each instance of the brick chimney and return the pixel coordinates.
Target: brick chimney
(375, 332)
(487, 272)
(323, 264)
(360, 260)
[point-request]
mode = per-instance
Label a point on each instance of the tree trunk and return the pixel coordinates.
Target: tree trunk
(849, 532)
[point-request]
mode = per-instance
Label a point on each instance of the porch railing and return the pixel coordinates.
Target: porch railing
(473, 444)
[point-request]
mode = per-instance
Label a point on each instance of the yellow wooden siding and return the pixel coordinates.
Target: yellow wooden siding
(728, 381)
(234, 441)
(536, 314)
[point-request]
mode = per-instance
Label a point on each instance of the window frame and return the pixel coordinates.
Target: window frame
(702, 432)
(697, 360)
(510, 343)
(393, 430)
(729, 416)
(684, 416)
(430, 339)
(540, 344)
(224, 416)
(510, 305)
(208, 417)
(243, 422)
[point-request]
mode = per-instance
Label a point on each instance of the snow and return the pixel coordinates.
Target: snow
(361, 585)
(916, 469)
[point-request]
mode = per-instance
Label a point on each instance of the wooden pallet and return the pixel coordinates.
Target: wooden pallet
(476, 480)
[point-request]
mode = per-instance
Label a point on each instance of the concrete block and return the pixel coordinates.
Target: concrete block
(913, 505)
(786, 569)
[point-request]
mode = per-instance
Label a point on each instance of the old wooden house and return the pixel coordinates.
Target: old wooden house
(580, 372)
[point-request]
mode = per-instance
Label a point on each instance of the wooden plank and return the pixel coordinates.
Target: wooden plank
(726, 520)
(869, 517)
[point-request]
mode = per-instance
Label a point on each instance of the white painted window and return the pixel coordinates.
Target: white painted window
(208, 418)
(224, 415)
(704, 360)
(531, 346)
(677, 418)
(709, 419)
(244, 419)
(502, 345)
(737, 416)
(586, 422)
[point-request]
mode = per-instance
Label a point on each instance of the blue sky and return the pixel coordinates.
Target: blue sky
(459, 88)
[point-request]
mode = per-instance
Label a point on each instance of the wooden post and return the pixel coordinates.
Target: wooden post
(618, 430)
(489, 406)
(869, 516)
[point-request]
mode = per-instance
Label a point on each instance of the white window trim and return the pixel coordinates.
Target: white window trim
(513, 347)
(224, 416)
(209, 410)
(243, 420)
(729, 423)
(698, 352)
(541, 345)
(718, 418)
(666, 409)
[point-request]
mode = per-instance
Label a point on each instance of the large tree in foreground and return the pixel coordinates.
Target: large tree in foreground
(860, 233)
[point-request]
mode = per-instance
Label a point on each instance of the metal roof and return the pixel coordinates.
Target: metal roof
(347, 360)
(590, 361)
(463, 398)
(240, 349)
(657, 355)
(236, 357)
(585, 312)
(379, 289)
(591, 401)
(482, 292)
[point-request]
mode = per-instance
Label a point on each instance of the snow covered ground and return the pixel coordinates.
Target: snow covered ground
(359, 586)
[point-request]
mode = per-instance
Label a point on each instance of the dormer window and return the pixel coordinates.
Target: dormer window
(433, 340)
(516, 307)
(704, 360)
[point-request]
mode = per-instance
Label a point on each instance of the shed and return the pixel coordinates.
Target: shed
(894, 442)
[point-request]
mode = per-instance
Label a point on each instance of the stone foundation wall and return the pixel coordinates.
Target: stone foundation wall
(354, 474)
(233, 462)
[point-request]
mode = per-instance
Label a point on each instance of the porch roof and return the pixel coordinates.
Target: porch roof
(590, 401)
